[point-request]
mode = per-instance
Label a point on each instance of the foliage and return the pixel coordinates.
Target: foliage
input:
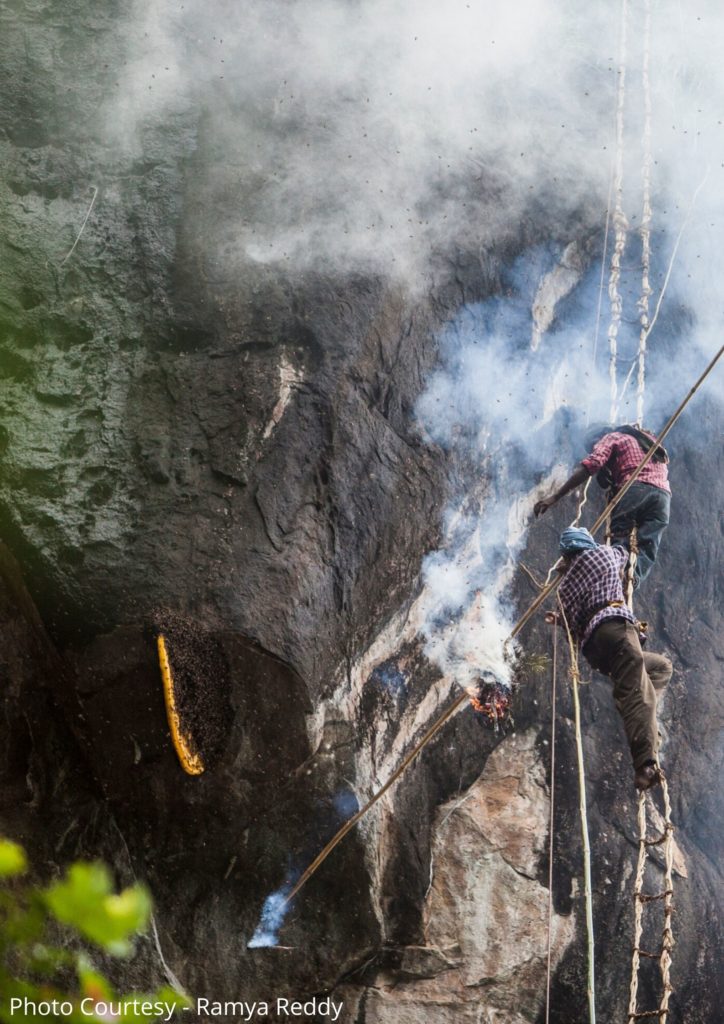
(45, 934)
(84, 900)
(12, 859)
(531, 664)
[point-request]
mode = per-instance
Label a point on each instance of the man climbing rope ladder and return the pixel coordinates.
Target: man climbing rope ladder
(592, 601)
(614, 457)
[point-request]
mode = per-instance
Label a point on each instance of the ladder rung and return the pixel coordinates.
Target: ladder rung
(661, 839)
(646, 897)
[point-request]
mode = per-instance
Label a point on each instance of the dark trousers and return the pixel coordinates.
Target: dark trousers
(647, 508)
(638, 678)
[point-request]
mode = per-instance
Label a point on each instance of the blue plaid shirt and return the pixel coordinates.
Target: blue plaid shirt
(592, 580)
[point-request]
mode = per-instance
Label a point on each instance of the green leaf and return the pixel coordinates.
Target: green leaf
(12, 859)
(23, 919)
(92, 983)
(84, 900)
(171, 995)
(46, 961)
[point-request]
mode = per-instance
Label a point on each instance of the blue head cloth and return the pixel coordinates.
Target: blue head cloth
(575, 539)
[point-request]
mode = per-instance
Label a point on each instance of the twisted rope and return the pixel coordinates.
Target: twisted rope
(646, 217)
(667, 938)
(638, 908)
(604, 254)
(554, 673)
(82, 227)
(667, 276)
(587, 886)
(620, 224)
(633, 554)
(641, 898)
(575, 522)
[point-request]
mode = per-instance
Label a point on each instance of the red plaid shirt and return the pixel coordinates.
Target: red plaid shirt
(623, 454)
(594, 578)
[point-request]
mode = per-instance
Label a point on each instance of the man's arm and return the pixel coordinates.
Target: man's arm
(577, 477)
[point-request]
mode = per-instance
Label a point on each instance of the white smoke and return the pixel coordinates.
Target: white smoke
(491, 401)
(271, 919)
(509, 408)
(377, 132)
(369, 134)
(381, 136)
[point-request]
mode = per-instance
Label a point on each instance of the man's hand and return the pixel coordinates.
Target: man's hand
(553, 618)
(543, 505)
(578, 477)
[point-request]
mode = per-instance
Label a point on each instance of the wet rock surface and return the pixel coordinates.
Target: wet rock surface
(233, 445)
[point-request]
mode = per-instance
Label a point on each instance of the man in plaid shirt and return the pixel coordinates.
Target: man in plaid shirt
(645, 505)
(592, 600)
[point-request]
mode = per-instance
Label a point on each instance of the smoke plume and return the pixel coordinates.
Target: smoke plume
(272, 918)
(376, 134)
(379, 136)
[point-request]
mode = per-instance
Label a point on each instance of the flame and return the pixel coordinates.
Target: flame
(492, 700)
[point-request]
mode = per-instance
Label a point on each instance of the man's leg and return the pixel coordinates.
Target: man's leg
(659, 670)
(654, 520)
(615, 650)
(626, 515)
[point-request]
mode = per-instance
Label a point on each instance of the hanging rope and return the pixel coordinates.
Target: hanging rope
(620, 224)
(604, 254)
(667, 276)
(641, 899)
(633, 549)
(82, 227)
(551, 820)
(581, 503)
(608, 534)
(587, 886)
(667, 937)
(599, 305)
(646, 218)
(638, 908)
(574, 662)
(522, 621)
(675, 249)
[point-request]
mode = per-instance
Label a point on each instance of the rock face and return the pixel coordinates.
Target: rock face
(232, 445)
(485, 917)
